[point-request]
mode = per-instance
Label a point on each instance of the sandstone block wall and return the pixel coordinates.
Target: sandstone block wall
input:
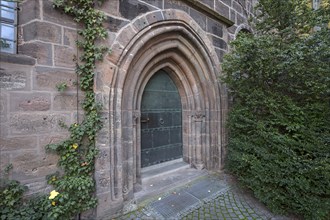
(30, 105)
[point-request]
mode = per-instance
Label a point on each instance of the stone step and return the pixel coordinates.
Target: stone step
(163, 178)
(163, 169)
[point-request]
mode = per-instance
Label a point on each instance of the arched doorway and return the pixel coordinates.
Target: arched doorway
(161, 121)
(177, 45)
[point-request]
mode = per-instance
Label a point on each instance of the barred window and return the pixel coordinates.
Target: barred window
(8, 30)
(316, 4)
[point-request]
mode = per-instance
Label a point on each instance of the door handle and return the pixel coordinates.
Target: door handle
(145, 120)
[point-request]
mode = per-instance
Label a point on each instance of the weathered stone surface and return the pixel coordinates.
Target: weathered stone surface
(154, 17)
(176, 4)
(4, 129)
(36, 185)
(30, 102)
(70, 36)
(78, 117)
(103, 97)
(117, 50)
(232, 29)
(209, 3)
(47, 78)
(220, 43)
(103, 209)
(214, 27)
(37, 123)
(220, 54)
(198, 17)
(157, 3)
(29, 10)
(227, 2)
(237, 7)
(4, 162)
(232, 15)
(104, 75)
(41, 51)
(14, 77)
(127, 35)
(222, 9)
(18, 143)
(43, 31)
(240, 19)
(57, 16)
(64, 56)
(66, 101)
(103, 159)
(3, 106)
(102, 137)
(115, 24)
(44, 140)
(110, 7)
(17, 59)
(30, 164)
(102, 179)
(140, 23)
(132, 8)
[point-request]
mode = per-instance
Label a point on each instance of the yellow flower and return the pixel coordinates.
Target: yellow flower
(53, 194)
(84, 164)
(53, 203)
(75, 146)
(75, 124)
(54, 178)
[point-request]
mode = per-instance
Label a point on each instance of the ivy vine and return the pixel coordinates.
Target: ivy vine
(74, 187)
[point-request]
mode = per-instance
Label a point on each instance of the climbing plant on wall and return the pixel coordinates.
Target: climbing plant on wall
(74, 186)
(279, 125)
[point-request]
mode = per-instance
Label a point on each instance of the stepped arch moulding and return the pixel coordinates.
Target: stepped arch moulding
(172, 41)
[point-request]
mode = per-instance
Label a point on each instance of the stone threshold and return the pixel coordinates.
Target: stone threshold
(164, 177)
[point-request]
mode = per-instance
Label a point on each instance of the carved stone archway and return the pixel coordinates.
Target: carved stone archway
(173, 41)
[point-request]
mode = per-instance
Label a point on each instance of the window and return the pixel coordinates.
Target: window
(8, 16)
(316, 4)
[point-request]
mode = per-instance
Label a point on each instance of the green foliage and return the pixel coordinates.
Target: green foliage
(77, 154)
(11, 193)
(74, 188)
(279, 125)
(12, 204)
(61, 87)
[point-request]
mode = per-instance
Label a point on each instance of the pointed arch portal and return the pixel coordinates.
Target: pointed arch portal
(168, 42)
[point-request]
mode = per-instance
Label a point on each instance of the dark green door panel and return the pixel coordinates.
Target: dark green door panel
(161, 121)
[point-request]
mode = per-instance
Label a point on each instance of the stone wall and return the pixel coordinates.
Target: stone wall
(31, 107)
(205, 12)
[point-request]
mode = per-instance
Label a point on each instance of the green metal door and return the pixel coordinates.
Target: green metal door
(161, 121)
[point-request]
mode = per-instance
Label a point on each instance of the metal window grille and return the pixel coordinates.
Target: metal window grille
(8, 26)
(316, 4)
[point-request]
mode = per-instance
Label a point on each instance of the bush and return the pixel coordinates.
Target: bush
(14, 206)
(279, 125)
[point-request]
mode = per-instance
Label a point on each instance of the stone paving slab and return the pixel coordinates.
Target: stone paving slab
(177, 204)
(208, 198)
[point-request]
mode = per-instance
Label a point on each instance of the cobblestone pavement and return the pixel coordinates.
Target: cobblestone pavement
(226, 201)
(228, 206)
